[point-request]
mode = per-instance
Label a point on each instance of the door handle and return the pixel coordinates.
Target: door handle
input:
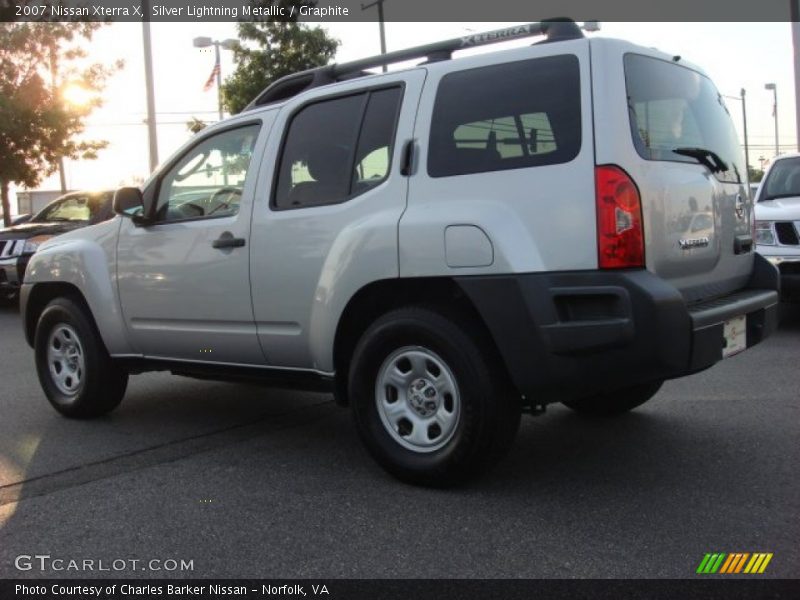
(407, 161)
(226, 240)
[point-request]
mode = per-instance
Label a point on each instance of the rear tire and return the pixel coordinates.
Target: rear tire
(609, 404)
(431, 403)
(77, 375)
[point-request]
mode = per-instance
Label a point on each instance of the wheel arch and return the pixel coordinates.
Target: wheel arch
(40, 295)
(84, 269)
(442, 294)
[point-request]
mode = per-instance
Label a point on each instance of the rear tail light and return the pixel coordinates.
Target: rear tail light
(620, 238)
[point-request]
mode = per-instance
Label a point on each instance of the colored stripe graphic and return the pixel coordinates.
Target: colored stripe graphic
(717, 564)
(727, 564)
(740, 564)
(731, 567)
(764, 564)
(755, 562)
(703, 563)
(711, 563)
(734, 563)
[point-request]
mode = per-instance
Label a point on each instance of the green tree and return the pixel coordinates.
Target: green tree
(271, 48)
(754, 175)
(39, 123)
(195, 125)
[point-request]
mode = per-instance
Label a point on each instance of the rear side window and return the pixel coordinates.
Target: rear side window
(336, 149)
(673, 107)
(509, 116)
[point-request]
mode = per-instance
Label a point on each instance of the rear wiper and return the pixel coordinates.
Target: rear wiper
(709, 158)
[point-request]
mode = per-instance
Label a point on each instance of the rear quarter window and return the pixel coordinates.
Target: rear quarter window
(509, 116)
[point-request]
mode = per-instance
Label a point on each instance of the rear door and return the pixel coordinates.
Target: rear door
(326, 211)
(676, 139)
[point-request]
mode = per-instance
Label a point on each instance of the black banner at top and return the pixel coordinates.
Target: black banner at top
(398, 10)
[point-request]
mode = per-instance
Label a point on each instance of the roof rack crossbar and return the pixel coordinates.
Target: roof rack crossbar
(472, 40)
(557, 29)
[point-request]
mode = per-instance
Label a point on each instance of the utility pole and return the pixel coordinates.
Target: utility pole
(774, 88)
(54, 82)
(744, 121)
(741, 98)
(148, 84)
(794, 9)
(379, 4)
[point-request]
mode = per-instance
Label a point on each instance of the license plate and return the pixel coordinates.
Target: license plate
(735, 333)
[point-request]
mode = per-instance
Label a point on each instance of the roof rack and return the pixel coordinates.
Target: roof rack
(291, 85)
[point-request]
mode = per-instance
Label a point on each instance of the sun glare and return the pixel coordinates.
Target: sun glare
(77, 95)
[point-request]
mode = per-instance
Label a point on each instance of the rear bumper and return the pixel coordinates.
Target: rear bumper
(571, 334)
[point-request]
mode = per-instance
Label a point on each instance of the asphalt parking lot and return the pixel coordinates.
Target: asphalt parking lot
(250, 482)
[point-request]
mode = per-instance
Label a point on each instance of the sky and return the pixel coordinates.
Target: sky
(735, 55)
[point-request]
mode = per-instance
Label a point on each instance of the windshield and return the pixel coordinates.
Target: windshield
(81, 207)
(783, 180)
(676, 108)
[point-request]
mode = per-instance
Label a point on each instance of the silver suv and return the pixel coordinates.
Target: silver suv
(443, 247)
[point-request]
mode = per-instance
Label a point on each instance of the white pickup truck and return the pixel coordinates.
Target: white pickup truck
(778, 221)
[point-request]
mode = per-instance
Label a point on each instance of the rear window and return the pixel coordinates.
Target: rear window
(509, 116)
(783, 180)
(674, 107)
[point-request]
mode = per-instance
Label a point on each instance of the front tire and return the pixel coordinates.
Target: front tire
(76, 373)
(609, 404)
(431, 403)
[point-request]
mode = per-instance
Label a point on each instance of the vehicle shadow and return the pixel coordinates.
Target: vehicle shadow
(789, 316)
(9, 307)
(307, 484)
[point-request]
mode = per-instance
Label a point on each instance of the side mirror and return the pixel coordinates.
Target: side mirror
(129, 202)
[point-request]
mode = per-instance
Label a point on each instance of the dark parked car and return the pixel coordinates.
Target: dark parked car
(19, 242)
(20, 219)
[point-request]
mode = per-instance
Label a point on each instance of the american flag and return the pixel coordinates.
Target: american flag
(211, 78)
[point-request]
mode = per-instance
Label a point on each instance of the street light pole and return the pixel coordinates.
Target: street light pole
(774, 88)
(379, 4)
